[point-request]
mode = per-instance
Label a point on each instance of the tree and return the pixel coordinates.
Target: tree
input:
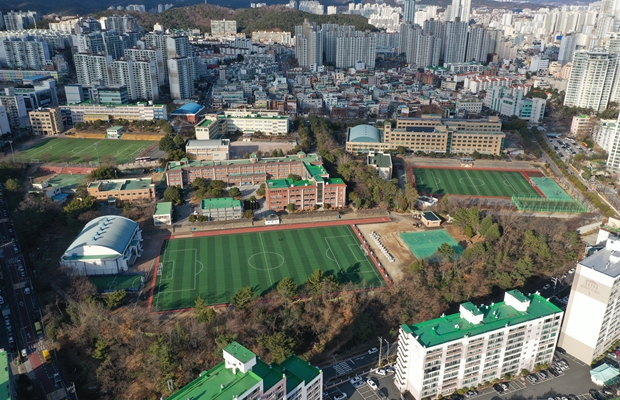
(485, 225)
(102, 349)
(290, 207)
(105, 172)
(192, 218)
(280, 345)
(287, 289)
(203, 312)
(248, 214)
(173, 194)
(115, 298)
(199, 183)
(445, 251)
(261, 190)
(468, 232)
(234, 192)
(179, 142)
(12, 185)
(167, 144)
(401, 150)
(217, 185)
(492, 233)
(80, 205)
(411, 194)
(242, 298)
(294, 177)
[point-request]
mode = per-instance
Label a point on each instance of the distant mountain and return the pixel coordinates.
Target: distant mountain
(248, 19)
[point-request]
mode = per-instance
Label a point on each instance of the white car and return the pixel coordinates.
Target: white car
(372, 384)
(547, 286)
(571, 271)
(373, 350)
(340, 396)
(381, 371)
(356, 379)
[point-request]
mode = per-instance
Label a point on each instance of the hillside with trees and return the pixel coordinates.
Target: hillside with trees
(248, 19)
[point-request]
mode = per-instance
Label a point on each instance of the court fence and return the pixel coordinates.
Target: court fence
(559, 204)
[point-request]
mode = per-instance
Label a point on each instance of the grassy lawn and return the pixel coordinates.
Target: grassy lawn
(58, 150)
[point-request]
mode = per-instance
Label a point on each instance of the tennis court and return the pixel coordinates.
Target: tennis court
(68, 181)
(57, 150)
(550, 188)
(472, 182)
(424, 245)
(111, 283)
(216, 267)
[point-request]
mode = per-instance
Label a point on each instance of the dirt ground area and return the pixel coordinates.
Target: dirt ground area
(389, 233)
(241, 148)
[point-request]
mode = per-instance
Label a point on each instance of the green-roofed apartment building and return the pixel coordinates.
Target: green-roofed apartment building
(244, 376)
(476, 345)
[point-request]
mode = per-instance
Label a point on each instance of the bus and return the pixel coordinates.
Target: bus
(143, 159)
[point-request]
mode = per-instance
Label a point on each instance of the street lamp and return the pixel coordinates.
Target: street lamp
(11, 143)
(387, 355)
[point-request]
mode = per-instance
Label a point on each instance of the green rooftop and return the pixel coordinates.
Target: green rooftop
(218, 383)
(380, 160)
(254, 116)
(5, 391)
(495, 316)
(92, 103)
(271, 374)
(116, 128)
(284, 183)
(122, 184)
(205, 123)
(240, 352)
(224, 202)
(179, 165)
(163, 208)
(301, 369)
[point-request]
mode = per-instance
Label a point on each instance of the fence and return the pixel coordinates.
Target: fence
(558, 204)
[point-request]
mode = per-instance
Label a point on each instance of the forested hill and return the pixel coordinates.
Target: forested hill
(248, 19)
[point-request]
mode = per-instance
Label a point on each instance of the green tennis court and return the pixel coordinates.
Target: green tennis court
(85, 150)
(471, 182)
(550, 188)
(67, 180)
(216, 267)
(424, 245)
(109, 283)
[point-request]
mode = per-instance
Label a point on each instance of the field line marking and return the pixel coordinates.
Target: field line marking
(475, 187)
(330, 249)
(435, 180)
(372, 265)
(260, 238)
(509, 184)
(355, 255)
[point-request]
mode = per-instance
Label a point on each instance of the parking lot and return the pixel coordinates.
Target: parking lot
(385, 389)
(567, 148)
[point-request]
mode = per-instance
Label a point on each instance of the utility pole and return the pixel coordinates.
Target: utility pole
(380, 348)
(387, 355)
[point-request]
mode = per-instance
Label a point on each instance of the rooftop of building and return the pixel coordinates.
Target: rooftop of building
(431, 216)
(116, 128)
(254, 116)
(113, 232)
(91, 103)
(605, 261)
(205, 122)
(223, 202)
(163, 208)
(380, 160)
(306, 158)
(495, 316)
(286, 183)
(122, 184)
(364, 133)
(188, 109)
(5, 390)
(212, 143)
(237, 350)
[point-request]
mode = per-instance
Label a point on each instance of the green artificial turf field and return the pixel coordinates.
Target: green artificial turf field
(216, 267)
(471, 182)
(85, 150)
(424, 244)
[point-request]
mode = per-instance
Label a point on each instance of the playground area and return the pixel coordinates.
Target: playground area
(215, 267)
(424, 244)
(65, 150)
(112, 283)
(474, 182)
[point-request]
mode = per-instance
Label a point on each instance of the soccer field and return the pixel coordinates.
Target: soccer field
(85, 150)
(472, 182)
(216, 267)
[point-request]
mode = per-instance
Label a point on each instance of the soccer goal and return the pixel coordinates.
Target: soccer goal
(363, 249)
(160, 268)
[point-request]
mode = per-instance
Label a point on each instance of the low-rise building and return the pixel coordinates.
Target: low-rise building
(582, 126)
(222, 209)
(46, 121)
(473, 106)
(115, 132)
(88, 111)
(122, 189)
(248, 121)
(430, 219)
(305, 194)
(209, 150)
(107, 245)
(476, 345)
(382, 162)
(243, 375)
(163, 214)
(211, 128)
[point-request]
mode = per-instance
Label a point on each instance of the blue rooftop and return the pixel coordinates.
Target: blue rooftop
(364, 133)
(112, 232)
(189, 108)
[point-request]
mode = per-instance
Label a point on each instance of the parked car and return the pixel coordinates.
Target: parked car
(471, 393)
(372, 384)
(373, 350)
(571, 271)
(547, 286)
(543, 375)
(532, 378)
(498, 388)
(554, 371)
(356, 379)
(390, 370)
(381, 371)
(340, 396)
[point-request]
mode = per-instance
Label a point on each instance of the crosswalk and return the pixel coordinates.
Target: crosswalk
(342, 368)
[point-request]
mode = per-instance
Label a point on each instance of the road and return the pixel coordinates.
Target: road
(23, 306)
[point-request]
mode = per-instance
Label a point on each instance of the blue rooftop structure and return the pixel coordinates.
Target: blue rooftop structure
(189, 108)
(364, 133)
(111, 232)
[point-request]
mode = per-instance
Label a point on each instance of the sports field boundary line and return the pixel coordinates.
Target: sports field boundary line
(472, 182)
(262, 246)
(371, 256)
(329, 247)
(351, 223)
(527, 178)
(476, 168)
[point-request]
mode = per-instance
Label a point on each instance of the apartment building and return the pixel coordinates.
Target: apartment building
(209, 150)
(593, 80)
(582, 125)
(252, 171)
(223, 27)
(592, 322)
(222, 209)
(476, 345)
(430, 134)
(24, 54)
(46, 121)
(122, 189)
(318, 190)
(243, 375)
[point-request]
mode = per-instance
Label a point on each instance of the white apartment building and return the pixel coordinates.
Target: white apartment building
(4, 121)
(476, 345)
(149, 55)
(18, 20)
(130, 112)
(592, 80)
(140, 77)
(592, 321)
(223, 28)
(355, 47)
(604, 134)
(93, 69)
(181, 74)
(309, 45)
(470, 105)
(268, 123)
(24, 54)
